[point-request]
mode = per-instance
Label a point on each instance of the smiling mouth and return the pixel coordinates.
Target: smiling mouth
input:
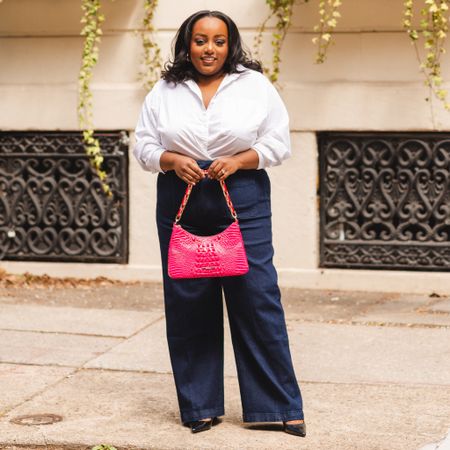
(208, 58)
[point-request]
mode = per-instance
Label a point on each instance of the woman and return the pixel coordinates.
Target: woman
(214, 111)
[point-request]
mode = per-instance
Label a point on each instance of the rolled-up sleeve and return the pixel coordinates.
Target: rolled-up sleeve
(148, 148)
(273, 143)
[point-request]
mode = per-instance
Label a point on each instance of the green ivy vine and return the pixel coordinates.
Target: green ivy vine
(92, 20)
(329, 15)
(282, 10)
(152, 53)
(433, 30)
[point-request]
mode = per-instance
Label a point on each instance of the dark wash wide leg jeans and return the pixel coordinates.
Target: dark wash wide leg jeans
(194, 311)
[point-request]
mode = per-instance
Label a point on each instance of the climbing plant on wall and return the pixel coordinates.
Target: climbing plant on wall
(92, 19)
(432, 31)
(151, 59)
(282, 11)
(328, 17)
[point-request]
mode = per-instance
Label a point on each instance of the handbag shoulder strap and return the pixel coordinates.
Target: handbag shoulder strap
(188, 193)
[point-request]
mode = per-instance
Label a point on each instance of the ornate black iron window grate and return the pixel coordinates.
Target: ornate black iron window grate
(52, 205)
(385, 200)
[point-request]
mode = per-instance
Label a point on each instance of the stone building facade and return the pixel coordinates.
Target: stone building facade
(370, 84)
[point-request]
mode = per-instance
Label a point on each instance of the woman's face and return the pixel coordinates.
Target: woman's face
(209, 46)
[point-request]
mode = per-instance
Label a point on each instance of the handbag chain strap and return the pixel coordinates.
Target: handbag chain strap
(188, 193)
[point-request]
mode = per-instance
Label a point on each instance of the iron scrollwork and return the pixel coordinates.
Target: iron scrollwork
(385, 200)
(52, 204)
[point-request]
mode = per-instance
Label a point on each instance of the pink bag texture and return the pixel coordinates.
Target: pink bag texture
(220, 255)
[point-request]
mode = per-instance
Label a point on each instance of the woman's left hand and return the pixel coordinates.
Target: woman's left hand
(221, 168)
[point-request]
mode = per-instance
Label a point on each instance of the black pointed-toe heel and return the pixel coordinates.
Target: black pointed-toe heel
(297, 429)
(201, 425)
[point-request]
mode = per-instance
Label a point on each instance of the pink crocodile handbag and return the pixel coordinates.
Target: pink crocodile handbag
(220, 255)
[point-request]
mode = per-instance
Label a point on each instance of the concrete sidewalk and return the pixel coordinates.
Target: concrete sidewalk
(374, 370)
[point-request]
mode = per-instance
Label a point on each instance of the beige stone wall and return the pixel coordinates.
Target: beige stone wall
(371, 81)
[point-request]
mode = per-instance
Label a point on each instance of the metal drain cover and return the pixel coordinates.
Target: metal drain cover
(37, 419)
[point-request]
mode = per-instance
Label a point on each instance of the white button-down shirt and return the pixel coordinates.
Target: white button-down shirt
(246, 112)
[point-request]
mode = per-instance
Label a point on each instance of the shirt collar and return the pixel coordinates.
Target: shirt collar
(228, 79)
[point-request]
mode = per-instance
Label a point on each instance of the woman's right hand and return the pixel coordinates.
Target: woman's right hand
(185, 167)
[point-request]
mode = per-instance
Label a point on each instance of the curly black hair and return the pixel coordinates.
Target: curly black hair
(181, 69)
